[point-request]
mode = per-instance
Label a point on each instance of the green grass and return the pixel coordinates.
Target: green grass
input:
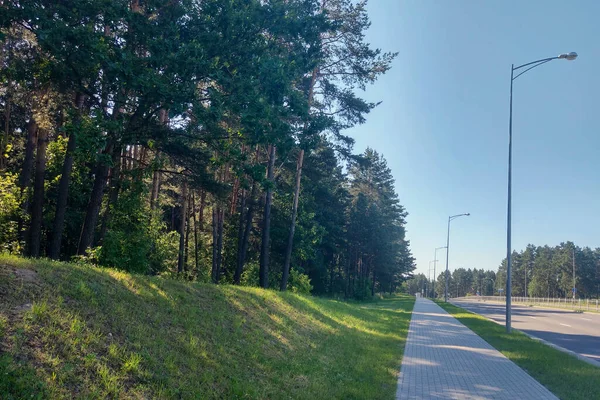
(564, 375)
(74, 331)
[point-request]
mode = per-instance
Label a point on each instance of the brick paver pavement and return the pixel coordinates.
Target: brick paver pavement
(443, 359)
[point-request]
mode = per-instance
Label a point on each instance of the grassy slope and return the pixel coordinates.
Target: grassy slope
(71, 331)
(564, 375)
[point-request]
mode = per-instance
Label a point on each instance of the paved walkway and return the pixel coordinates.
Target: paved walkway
(443, 359)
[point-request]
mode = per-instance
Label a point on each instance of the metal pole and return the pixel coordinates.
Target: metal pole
(434, 277)
(508, 222)
(428, 279)
(573, 273)
(447, 253)
(434, 265)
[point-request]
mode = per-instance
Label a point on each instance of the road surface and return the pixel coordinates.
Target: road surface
(578, 332)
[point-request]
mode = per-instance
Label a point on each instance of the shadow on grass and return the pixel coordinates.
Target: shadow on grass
(102, 333)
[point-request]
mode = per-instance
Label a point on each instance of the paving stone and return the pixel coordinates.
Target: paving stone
(443, 359)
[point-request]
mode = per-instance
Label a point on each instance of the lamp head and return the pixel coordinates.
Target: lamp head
(568, 56)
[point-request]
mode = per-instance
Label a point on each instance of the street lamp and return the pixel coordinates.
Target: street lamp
(450, 218)
(565, 56)
(493, 284)
(434, 264)
(429, 276)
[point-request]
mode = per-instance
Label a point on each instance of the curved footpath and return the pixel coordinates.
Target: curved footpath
(443, 359)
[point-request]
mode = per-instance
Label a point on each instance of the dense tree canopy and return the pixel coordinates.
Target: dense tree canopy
(548, 271)
(203, 139)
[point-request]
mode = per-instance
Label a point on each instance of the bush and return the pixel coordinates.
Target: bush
(9, 213)
(137, 240)
(250, 275)
(299, 283)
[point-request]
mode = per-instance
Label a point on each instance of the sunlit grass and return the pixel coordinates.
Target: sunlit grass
(73, 331)
(564, 375)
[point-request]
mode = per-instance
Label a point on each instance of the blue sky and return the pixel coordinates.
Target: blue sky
(443, 123)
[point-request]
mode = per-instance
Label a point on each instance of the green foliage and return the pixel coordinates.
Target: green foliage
(416, 284)
(299, 283)
(464, 282)
(9, 212)
(548, 271)
(137, 240)
(376, 230)
(250, 275)
(19, 381)
(141, 99)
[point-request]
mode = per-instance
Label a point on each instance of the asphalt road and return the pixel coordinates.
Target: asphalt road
(578, 332)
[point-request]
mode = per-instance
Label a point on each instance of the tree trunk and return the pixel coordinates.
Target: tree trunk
(195, 233)
(136, 154)
(347, 285)
(155, 188)
(63, 189)
(187, 233)
(290, 244)
(266, 233)
(4, 141)
(115, 187)
(25, 178)
(181, 259)
(93, 209)
(213, 271)
(373, 283)
(221, 217)
(246, 237)
(32, 131)
(239, 266)
(334, 261)
(163, 119)
(61, 201)
(201, 211)
(35, 229)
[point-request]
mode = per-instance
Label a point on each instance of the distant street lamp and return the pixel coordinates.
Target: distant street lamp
(429, 276)
(450, 218)
(565, 56)
(434, 264)
(493, 284)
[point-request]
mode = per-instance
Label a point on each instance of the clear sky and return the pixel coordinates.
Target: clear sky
(443, 123)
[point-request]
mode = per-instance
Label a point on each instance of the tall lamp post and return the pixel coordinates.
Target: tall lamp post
(429, 278)
(493, 284)
(570, 56)
(434, 264)
(450, 218)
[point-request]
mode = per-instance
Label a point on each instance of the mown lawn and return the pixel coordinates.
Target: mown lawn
(564, 375)
(73, 331)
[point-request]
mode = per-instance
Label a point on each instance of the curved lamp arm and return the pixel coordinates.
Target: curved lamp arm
(565, 56)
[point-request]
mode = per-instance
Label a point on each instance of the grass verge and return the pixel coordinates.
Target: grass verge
(73, 331)
(564, 375)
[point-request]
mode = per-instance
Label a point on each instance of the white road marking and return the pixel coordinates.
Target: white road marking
(586, 319)
(566, 325)
(532, 317)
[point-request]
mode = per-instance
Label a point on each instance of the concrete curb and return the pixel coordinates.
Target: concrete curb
(557, 347)
(547, 343)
